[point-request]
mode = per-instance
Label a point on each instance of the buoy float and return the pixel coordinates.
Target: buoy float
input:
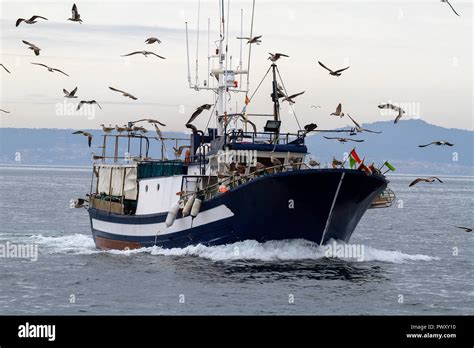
(196, 207)
(171, 217)
(188, 206)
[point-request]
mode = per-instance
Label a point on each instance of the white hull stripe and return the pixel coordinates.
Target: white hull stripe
(145, 230)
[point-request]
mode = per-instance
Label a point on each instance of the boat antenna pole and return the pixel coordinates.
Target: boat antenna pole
(276, 102)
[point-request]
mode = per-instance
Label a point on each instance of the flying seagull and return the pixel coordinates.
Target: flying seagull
(198, 111)
(5, 111)
(152, 40)
(179, 150)
(71, 94)
(338, 111)
(315, 106)
(86, 134)
(275, 56)
(452, 8)
(145, 53)
(344, 140)
(252, 40)
(32, 47)
(32, 20)
(151, 120)
(394, 108)
(87, 102)
(290, 100)
(331, 72)
(75, 17)
(466, 229)
(125, 94)
(359, 129)
(430, 179)
(51, 69)
(3, 66)
(439, 143)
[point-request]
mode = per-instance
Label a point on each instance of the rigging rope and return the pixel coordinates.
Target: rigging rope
(250, 48)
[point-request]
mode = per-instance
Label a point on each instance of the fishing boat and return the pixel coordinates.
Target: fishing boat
(226, 184)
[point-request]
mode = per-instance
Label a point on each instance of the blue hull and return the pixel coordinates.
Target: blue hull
(311, 204)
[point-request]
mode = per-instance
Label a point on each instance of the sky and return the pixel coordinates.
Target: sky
(417, 54)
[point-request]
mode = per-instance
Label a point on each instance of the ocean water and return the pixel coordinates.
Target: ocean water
(414, 260)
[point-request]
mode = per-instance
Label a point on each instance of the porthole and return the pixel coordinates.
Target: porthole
(146, 188)
(157, 187)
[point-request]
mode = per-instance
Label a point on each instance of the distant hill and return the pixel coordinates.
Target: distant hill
(398, 144)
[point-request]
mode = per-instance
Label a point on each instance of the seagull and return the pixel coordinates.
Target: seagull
(275, 56)
(313, 163)
(394, 108)
(152, 40)
(275, 161)
(315, 106)
(140, 129)
(150, 120)
(51, 69)
(310, 127)
(3, 66)
(439, 143)
(5, 111)
(70, 94)
(452, 8)
(75, 17)
(252, 40)
(106, 129)
(32, 20)
(359, 129)
(125, 94)
(344, 140)
(335, 162)
(331, 72)
(145, 53)
(193, 128)
(87, 102)
(430, 179)
(338, 111)
(290, 100)
(179, 150)
(86, 134)
(119, 129)
(198, 111)
(466, 229)
(32, 47)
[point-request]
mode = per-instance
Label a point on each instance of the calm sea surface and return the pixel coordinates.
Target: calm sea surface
(414, 261)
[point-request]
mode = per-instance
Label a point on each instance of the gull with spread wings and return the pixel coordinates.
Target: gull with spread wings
(145, 53)
(430, 179)
(125, 94)
(358, 127)
(32, 20)
(344, 140)
(333, 72)
(50, 69)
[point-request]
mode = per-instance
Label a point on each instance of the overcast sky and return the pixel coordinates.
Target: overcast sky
(417, 53)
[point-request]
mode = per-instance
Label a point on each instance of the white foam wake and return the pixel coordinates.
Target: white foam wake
(285, 250)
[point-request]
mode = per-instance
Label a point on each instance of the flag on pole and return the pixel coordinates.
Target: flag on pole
(363, 167)
(354, 158)
(389, 166)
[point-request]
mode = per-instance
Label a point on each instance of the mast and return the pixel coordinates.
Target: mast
(276, 102)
